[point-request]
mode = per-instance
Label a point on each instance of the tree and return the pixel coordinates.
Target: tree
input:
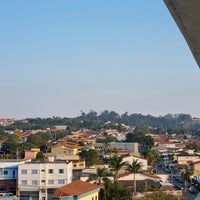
(40, 155)
(116, 164)
(152, 156)
(141, 138)
(101, 173)
(10, 146)
(134, 168)
(115, 191)
(91, 156)
(188, 173)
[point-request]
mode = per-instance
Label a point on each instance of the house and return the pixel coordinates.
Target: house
(195, 166)
(31, 154)
(183, 158)
(77, 190)
(78, 163)
(132, 147)
(144, 181)
(63, 147)
(129, 159)
(38, 180)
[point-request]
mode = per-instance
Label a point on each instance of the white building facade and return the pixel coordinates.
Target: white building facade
(130, 159)
(38, 180)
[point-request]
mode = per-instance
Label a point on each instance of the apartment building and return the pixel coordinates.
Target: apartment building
(38, 180)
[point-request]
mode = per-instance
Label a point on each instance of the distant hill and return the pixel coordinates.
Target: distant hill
(95, 121)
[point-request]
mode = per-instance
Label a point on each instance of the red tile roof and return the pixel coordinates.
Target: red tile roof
(75, 188)
(66, 144)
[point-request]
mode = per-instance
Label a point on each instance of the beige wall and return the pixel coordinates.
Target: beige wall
(63, 150)
(183, 160)
(93, 196)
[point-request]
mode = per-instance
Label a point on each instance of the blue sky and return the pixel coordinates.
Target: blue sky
(60, 57)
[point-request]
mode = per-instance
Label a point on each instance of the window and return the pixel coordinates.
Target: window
(34, 171)
(95, 197)
(34, 182)
(42, 170)
(5, 172)
(50, 171)
(43, 181)
(61, 171)
(50, 181)
(24, 171)
(61, 181)
(24, 182)
(74, 165)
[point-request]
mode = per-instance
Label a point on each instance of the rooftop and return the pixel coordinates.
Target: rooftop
(75, 188)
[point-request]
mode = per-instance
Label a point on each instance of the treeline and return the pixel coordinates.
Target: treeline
(111, 119)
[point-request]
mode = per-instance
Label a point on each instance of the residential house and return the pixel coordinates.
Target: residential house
(143, 181)
(183, 158)
(129, 159)
(132, 147)
(38, 180)
(63, 147)
(77, 190)
(31, 154)
(78, 163)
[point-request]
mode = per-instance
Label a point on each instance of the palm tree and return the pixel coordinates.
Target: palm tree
(117, 164)
(101, 173)
(188, 173)
(134, 168)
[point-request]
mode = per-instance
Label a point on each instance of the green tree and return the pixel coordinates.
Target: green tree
(91, 156)
(134, 168)
(152, 156)
(188, 173)
(40, 155)
(4, 136)
(141, 138)
(11, 145)
(115, 191)
(101, 173)
(116, 164)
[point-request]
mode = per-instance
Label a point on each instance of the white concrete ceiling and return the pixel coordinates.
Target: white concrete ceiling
(186, 14)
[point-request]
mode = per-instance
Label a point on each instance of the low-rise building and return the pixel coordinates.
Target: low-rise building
(77, 190)
(31, 154)
(132, 147)
(185, 158)
(40, 179)
(129, 159)
(63, 147)
(9, 175)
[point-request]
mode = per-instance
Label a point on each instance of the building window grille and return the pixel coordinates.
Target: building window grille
(24, 182)
(24, 171)
(34, 182)
(61, 181)
(5, 172)
(34, 171)
(50, 181)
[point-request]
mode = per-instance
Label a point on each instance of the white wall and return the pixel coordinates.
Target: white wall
(130, 159)
(43, 175)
